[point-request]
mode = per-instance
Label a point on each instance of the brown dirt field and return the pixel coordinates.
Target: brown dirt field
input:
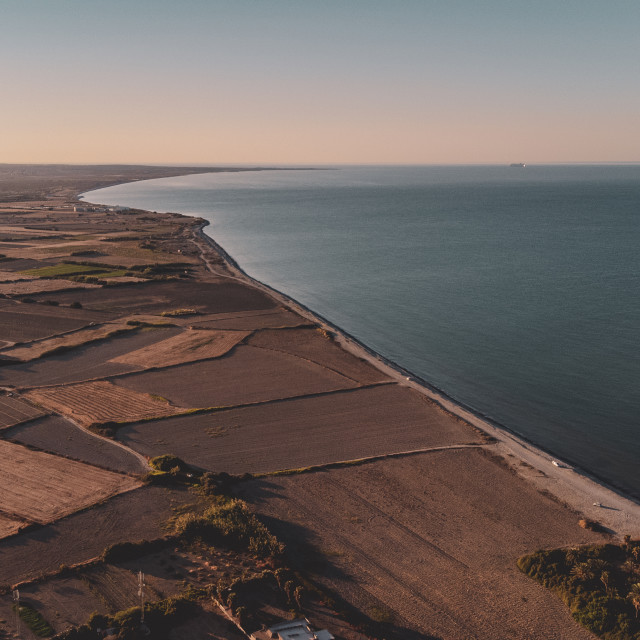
(13, 411)
(434, 538)
(11, 276)
(250, 320)
(41, 487)
(33, 287)
(301, 432)
(311, 344)
(217, 296)
(245, 376)
(97, 402)
(83, 363)
(8, 526)
(57, 435)
(62, 602)
(22, 264)
(37, 349)
(130, 516)
(25, 322)
(188, 346)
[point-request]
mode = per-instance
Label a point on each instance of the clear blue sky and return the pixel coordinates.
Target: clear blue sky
(284, 81)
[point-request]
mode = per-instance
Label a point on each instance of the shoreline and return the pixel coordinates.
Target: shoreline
(579, 489)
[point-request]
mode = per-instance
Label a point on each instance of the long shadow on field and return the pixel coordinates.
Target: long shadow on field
(304, 554)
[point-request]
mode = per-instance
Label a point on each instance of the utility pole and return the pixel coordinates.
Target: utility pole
(141, 586)
(16, 606)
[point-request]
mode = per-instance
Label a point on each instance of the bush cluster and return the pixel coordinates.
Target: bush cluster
(600, 584)
(229, 523)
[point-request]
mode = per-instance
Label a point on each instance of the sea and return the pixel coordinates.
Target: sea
(515, 291)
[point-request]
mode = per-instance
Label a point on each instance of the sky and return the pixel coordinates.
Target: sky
(319, 81)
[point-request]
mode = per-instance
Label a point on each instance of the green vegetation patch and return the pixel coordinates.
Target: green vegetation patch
(35, 621)
(599, 583)
(159, 618)
(62, 269)
(229, 522)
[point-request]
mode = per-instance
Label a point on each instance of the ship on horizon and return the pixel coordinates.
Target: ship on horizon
(519, 165)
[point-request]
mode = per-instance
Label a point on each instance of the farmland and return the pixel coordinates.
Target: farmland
(40, 487)
(394, 535)
(37, 349)
(302, 432)
(56, 435)
(24, 322)
(134, 515)
(187, 346)
(98, 402)
(311, 344)
(214, 296)
(399, 510)
(83, 363)
(224, 382)
(251, 320)
(14, 411)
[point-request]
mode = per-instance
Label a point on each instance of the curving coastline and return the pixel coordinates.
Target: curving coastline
(580, 489)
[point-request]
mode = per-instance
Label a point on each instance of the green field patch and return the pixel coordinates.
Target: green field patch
(63, 269)
(35, 622)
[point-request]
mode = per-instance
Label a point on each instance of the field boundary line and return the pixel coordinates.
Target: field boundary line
(318, 364)
(198, 411)
(111, 441)
(338, 464)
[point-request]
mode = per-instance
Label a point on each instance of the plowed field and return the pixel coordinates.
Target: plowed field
(40, 286)
(301, 432)
(187, 346)
(155, 297)
(133, 516)
(98, 402)
(24, 322)
(312, 345)
(83, 363)
(433, 539)
(14, 411)
(89, 334)
(250, 320)
(247, 375)
(9, 526)
(41, 487)
(57, 435)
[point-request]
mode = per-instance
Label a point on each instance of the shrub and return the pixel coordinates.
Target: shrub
(75, 305)
(168, 462)
(230, 524)
(35, 621)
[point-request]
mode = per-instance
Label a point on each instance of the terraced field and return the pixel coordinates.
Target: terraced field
(14, 411)
(98, 402)
(40, 487)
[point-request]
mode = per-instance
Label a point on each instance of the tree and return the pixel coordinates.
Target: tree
(634, 597)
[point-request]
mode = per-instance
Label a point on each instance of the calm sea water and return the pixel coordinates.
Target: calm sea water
(515, 291)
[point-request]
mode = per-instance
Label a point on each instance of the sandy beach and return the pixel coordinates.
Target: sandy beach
(407, 507)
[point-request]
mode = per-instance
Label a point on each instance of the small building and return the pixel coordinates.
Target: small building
(297, 630)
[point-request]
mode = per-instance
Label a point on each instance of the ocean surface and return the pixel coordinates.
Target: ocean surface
(514, 291)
